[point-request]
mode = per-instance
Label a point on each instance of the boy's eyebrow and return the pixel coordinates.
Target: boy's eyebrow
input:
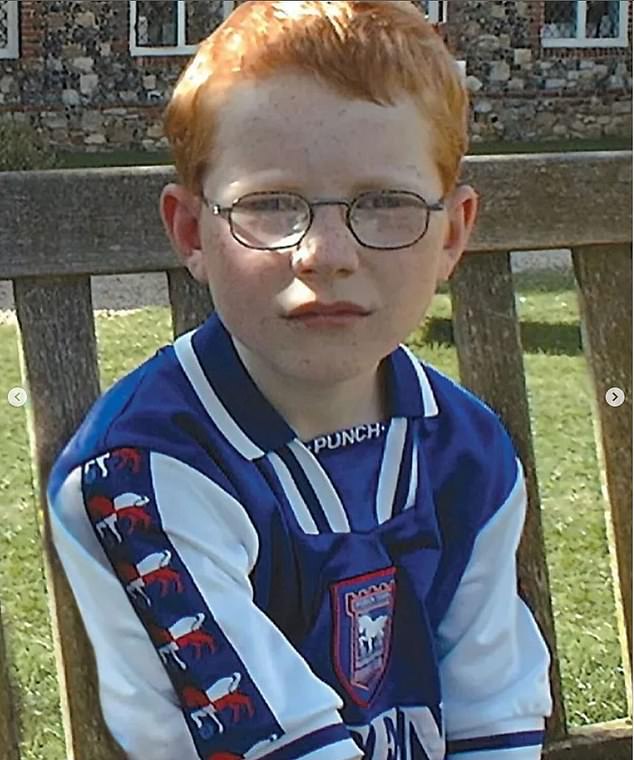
(374, 182)
(386, 182)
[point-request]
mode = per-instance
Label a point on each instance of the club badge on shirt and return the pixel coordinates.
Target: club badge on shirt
(363, 610)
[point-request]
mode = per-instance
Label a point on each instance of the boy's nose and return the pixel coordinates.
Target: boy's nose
(328, 248)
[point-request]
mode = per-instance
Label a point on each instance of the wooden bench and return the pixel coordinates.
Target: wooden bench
(61, 228)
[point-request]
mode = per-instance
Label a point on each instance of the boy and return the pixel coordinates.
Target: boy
(287, 536)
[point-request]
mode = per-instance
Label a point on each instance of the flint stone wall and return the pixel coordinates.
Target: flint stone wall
(77, 82)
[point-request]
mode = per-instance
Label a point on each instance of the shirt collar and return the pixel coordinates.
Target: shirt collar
(231, 398)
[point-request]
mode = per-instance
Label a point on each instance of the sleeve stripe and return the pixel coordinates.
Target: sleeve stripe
(499, 741)
(305, 747)
(196, 605)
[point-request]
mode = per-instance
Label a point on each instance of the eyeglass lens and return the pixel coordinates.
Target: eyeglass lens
(380, 220)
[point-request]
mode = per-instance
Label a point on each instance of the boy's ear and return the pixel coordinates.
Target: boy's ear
(462, 207)
(180, 212)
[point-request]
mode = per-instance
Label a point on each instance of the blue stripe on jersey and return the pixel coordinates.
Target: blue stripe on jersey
(213, 685)
(499, 741)
(320, 738)
(306, 490)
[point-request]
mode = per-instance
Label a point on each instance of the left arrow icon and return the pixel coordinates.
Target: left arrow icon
(17, 397)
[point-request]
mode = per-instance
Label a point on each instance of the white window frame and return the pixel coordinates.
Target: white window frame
(181, 47)
(12, 48)
(437, 11)
(581, 41)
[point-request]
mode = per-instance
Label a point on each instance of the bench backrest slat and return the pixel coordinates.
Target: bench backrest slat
(604, 280)
(111, 225)
(487, 338)
(57, 328)
(189, 300)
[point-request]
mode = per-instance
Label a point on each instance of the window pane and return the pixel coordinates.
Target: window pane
(560, 19)
(202, 19)
(436, 10)
(156, 23)
(602, 19)
(4, 25)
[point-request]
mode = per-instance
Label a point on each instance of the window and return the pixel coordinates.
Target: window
(173, 27)
(585, 23)
(435, 10)
(9, 47)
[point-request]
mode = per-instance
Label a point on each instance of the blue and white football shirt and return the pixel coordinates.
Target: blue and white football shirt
(250, 595)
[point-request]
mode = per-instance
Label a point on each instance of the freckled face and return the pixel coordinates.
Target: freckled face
(292, 133)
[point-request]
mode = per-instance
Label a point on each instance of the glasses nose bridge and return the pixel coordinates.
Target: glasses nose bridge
(329, 202)
(319, 257)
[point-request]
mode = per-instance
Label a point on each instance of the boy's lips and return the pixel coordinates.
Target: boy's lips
(337, 309)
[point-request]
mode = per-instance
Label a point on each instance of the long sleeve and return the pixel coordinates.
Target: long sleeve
(159, 557)
(493, 661)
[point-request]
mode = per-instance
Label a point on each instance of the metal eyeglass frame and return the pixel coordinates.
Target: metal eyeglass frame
(225, 213)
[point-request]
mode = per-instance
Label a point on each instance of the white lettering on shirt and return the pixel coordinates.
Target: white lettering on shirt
(349, 437)
(395, 733)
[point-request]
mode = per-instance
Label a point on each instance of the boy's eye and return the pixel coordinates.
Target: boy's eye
(379, 201)
(272, 203)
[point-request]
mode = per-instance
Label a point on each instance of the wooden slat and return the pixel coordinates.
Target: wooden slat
(487, 338)
(604, 278)
(602, 741)
(110, 222)
(60, 356)
(573, 191)
(190, 301)
(8, 718)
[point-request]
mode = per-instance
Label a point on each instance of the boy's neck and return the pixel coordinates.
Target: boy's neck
(313, 410)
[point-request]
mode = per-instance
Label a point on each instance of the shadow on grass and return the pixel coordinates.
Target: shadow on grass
(537, 337)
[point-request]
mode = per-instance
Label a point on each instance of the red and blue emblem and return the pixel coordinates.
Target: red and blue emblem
(363, 612)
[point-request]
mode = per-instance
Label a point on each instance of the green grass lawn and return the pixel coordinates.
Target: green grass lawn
(71, 160)
(560, 400)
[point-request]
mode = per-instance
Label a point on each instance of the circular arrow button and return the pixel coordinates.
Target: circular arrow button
(17, 397)
(614, 396)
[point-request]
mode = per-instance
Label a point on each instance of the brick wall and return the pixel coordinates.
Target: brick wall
(76, 80)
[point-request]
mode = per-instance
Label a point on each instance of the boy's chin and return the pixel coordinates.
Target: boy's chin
(330, 370)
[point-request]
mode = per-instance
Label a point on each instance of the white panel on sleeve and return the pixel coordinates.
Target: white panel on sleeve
(137, 698)
(215, 539)
(515, 753)
(493, 660)
(340, 751)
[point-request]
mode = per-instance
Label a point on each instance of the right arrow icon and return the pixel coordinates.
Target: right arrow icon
(614, 396)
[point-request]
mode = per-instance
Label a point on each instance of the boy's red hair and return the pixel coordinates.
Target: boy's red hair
(372, 50)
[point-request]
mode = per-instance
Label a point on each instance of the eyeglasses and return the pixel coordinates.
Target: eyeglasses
(385, 220)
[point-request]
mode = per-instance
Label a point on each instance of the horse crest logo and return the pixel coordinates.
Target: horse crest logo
(363, 610)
